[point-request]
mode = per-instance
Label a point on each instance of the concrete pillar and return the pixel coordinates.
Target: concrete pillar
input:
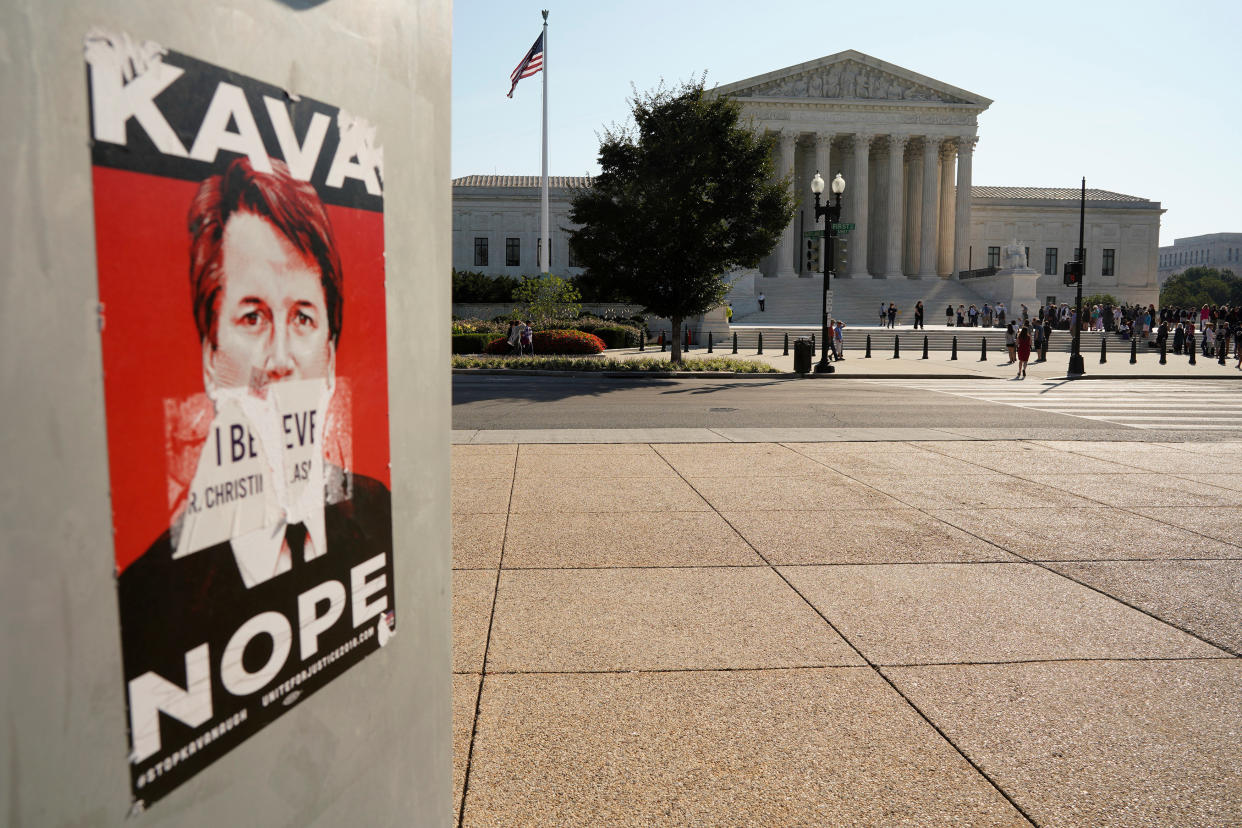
(857, 190)
(929, 227)
(961, 219)
(914, 208)
(895, 207)
(788, 246)
(823, 158)
(372, 744)
(944, 264)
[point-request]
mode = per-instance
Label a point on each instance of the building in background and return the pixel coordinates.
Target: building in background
(1220, 250)
(905, 145)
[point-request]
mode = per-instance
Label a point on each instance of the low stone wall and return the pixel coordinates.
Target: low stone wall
(490, 310)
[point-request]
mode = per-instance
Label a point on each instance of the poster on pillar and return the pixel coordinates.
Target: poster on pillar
(239, 235)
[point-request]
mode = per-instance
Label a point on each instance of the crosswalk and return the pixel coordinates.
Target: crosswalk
(1185, 405)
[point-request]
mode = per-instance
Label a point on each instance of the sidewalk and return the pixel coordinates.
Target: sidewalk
(882, 364)
(908, 633)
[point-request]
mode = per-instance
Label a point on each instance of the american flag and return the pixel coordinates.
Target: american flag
(530, 65)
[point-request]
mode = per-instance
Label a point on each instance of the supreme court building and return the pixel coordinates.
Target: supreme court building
(905, 144)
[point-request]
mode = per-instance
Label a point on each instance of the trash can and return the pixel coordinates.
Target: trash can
(804, 355)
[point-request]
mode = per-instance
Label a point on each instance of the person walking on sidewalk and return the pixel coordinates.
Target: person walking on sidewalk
(1010, 342)
(1024, 351)
(918, 315)
(892, 314)
(948, 317)
(1043, 344)
(883, 313)
(762, 299)
(728, 314)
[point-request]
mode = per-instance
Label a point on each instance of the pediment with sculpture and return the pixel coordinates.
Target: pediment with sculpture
(851, 75)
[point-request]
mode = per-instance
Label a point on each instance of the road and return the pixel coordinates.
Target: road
(1101, 409)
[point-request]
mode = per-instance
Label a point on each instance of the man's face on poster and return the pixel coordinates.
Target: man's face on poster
(271, 317)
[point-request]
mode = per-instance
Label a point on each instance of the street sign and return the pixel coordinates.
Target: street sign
(813, 234)
(842, 227)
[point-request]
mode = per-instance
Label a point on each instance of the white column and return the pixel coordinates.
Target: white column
(961, 240)
(823, 157)
(896, 206)
(944, 263)
(858, 188)
(786, 250)
(914, 207)
(929, 232)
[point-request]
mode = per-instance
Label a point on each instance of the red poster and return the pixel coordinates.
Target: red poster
(240, 248)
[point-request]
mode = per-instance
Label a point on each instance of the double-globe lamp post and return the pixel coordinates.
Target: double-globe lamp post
(832, 214)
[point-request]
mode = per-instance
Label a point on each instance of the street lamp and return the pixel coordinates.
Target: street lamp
(832, 214)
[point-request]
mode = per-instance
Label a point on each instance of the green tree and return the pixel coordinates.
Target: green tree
(545, 298)
(1198, 286)
(685, 194)
(1099, 299)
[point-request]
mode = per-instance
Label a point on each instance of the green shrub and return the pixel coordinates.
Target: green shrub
(473, 286)
(562, 363)
(554, 342)
(471, 343)
(492, 326)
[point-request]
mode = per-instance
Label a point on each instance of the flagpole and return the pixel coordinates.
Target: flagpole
(545, 256)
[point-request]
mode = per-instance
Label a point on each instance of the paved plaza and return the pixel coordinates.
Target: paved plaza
(886, 632)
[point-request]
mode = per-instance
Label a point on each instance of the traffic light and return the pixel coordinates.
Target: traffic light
(841, 254)
(1073, 273)
(812, 255)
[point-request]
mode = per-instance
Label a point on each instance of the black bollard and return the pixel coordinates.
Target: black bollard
(1222, 343)
(1134, 351)
(1103, 350)
(642, 340)
(924, 347)
(868, 354)
(661, 341)
(896, 347)
(687, 339)
(983, 352)
(812, 343)
(760, 351)
(1190, 346)
(786, 343)
(735, 342)
(1164, 352)
(709, 342)
(954, 356)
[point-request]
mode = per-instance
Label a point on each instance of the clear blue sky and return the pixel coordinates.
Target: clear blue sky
(1142, 98)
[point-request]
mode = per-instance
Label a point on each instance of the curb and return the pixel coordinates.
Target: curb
(531, 372)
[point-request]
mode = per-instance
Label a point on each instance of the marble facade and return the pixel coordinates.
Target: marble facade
(904, 143)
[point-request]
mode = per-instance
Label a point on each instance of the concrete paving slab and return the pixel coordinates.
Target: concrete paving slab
(788, 747)
(635, 494)
(488, 495)
(625, 539)
(815, 435)
(1231, 482)
(1025, 456)
(884, 458)
(599, 435)
(603, 452)
(857, 536)
(749, 459)
(934, 613)
(1150, 456)
(981, 490)
(472, 608)
(1222, 449)
(1223, 523)
(477, 540)
(465, 696)
(475, 462)
(1097, 743)
(1132, 491)
(590, 464)
(656, 619)
(822, 492)
(1204, 597)
(1092, 533)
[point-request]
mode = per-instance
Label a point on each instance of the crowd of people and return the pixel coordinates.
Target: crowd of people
(1212, 330)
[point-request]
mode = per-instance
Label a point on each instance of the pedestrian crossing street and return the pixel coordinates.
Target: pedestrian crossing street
(1185, 405)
